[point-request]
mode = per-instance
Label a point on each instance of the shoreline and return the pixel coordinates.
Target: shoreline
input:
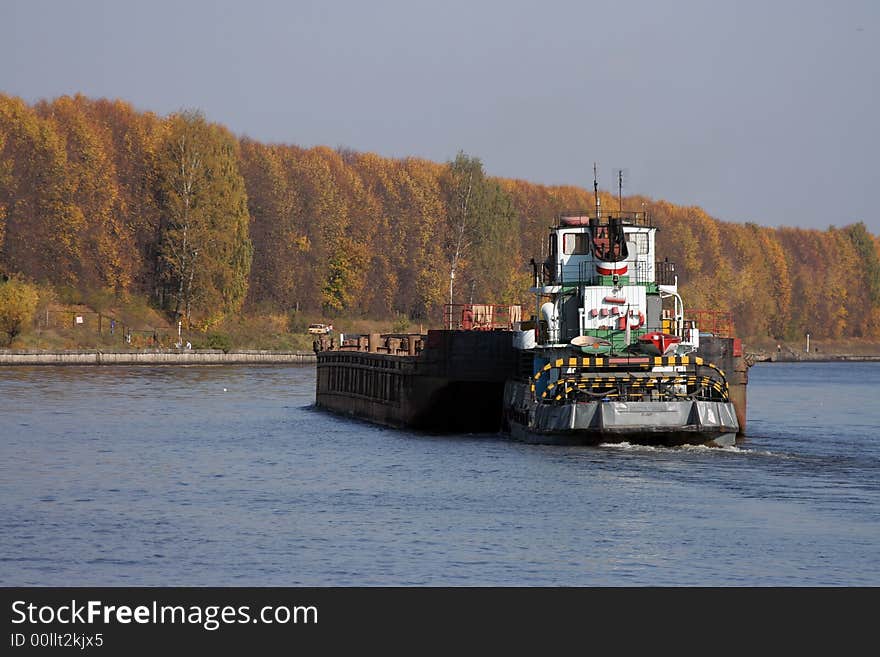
(14, 358)
(813, 358)
(156, 357)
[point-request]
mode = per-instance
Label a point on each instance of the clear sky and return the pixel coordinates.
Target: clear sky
(762, 111)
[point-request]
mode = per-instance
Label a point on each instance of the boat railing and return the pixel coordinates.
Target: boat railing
(664, 272)
(481, 316)
(626, 217)
(641, 272)
(717, 322)
(396, 344)
(629, 379)
(584, 273)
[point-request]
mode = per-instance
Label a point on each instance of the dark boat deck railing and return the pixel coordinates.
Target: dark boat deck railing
(628, 218)
(481, 316)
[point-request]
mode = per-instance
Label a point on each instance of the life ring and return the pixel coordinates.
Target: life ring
(611, 268)
(636, 319)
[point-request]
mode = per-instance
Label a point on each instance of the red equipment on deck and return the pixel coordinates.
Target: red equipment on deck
(657, 343)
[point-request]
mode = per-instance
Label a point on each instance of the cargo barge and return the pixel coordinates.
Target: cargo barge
(609, 355)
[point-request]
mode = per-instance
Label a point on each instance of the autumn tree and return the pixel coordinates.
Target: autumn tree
(204, 247)
(105, 249)
(5, 184)
(18, 301)
(384, 220)
(351, 238)
(276, 230)
(131, 140)
(42, 224)
(420, 193)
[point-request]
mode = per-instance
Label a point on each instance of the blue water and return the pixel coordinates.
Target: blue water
(227, 476)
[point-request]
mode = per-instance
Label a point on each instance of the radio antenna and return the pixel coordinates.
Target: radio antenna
(620, 174)
(596, 191)
(620, 191)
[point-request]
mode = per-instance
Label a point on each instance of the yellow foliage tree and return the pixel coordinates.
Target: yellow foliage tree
(43, 224)
(18, 302)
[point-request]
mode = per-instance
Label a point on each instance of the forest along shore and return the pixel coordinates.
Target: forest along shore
(156, 357)
(96, 184)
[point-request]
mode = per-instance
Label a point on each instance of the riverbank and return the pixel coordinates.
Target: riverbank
(809, 357)
(268, 357)
(766, 350)
(155, 357)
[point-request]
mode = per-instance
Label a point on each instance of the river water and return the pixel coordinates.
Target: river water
(227, 476)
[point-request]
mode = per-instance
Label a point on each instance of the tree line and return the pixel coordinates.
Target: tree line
(97, 195)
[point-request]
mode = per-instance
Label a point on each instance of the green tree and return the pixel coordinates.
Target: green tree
(204, 247)
(869, 265)
(464, 189)
(480, 223)
(496, 266)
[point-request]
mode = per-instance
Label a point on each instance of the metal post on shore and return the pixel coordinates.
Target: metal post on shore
(808, 343)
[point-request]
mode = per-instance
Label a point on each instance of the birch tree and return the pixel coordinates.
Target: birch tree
(465, 183)
(205, 250)
(482, 230)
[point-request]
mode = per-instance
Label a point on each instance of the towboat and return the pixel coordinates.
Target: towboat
(614, 357)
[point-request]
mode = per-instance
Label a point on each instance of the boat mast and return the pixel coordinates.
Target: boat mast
(596, 191)
(620, 192)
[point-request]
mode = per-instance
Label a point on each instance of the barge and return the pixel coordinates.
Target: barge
(609, 355)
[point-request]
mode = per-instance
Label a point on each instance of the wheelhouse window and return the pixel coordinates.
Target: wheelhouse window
(639, 241)
(575, 244)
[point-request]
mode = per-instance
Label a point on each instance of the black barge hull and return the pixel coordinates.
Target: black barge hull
(455, 384)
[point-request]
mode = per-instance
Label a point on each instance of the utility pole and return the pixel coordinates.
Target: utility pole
(451, 279)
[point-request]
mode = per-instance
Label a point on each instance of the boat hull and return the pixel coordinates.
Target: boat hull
(643, 436)
(475, 381)
(595, 422)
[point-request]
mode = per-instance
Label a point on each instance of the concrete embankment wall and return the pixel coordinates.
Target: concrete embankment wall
(813, 357)
(155, 357)
(819, 358)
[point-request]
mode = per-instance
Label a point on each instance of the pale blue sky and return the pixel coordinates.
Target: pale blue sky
(756, 111)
